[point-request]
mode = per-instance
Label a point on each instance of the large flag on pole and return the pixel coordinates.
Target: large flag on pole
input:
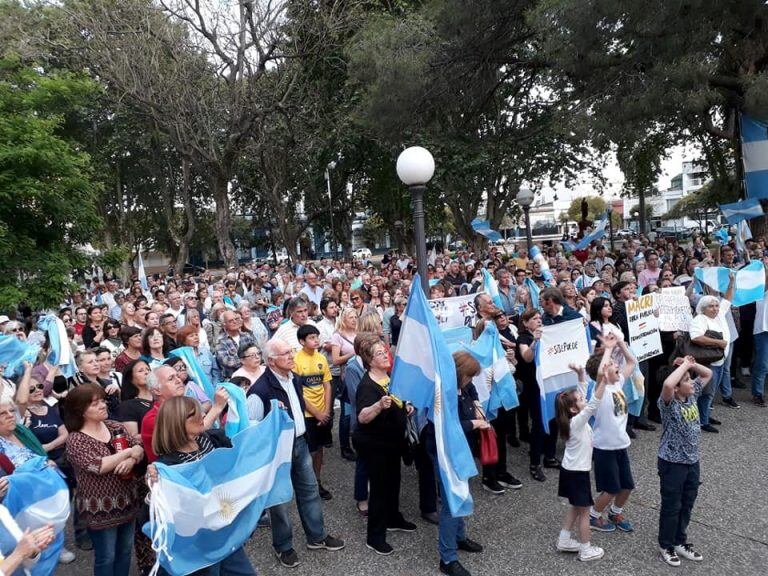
(425, 375)
(743, 233)
(38, 496)
(60, 350)
(754, 146)
(750, 281)
(143, 274)
(743, 210)
(201, 512)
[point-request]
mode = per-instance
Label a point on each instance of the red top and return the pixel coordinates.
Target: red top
(147, 428)
(103, 500)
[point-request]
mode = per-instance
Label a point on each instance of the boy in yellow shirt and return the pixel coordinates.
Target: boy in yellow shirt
(314, 375)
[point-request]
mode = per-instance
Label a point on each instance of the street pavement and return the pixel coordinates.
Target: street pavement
(519, 528)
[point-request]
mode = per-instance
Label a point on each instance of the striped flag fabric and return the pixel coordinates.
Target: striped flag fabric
(195, 371)
(754, 146)
(200, 512)
(597, 233)
(425, 374)
(495, 384)
(743, 233)
(543, 263)
(750, 281)
(483, 227)
(492, 287)
(60, 349)
(142, 274)
(743, 210)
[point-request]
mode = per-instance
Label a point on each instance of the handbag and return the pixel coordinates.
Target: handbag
(489, 450)
(411, 441)
(704, 355)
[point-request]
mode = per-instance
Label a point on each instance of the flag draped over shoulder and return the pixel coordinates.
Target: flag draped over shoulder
(750, 281)
(754, 139)
(38, 496)
(13, 354)
(195, 371)
(560, 345)
(425, 374)
(495, 384)
(492, 287)
(60, 350)
(203, 511)
(483, 227)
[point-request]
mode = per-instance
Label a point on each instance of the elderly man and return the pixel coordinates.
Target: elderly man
(485, 308)
(312, 289)
(555, 308)
(506, 291)
(174, 304)
(165, 383)
(230, 341)
(278, 383)
(298, 314)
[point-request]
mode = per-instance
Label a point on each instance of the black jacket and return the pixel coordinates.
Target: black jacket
(268, 388)
(568, 314)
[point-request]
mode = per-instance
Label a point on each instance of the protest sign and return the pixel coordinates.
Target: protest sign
(454, 312)
(560, 345)
(674, 310)
(644, 336)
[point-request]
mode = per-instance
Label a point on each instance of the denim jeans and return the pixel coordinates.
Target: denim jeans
(450, 529)
(307, 501)
(704, 401)
(726, 391)
(760, 363)
(236, 564)
(679, 485)
(112, 550)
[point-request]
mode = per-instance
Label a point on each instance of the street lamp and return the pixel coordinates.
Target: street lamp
(331, 165)
(525, 199)
(610, 223)
(415, 167)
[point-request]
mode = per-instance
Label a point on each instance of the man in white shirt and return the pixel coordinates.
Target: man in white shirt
(312, 290)
(298, 314)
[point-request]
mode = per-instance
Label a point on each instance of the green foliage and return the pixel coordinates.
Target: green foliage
(112, 259)
(46, 187)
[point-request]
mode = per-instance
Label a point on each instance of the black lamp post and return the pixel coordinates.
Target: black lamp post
(415, 167)
(525, 199)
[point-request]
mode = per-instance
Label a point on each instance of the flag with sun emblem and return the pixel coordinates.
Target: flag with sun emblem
(203, 511)
(425, 375)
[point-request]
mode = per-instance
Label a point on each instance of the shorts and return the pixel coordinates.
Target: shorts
(576, 487)
(317, 436)
(612, 471)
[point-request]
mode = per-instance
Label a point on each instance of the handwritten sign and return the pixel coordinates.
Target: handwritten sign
(644, 336)
(454, 312)
(674, 310)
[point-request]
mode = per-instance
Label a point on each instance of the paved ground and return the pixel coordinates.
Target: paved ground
(518, 529)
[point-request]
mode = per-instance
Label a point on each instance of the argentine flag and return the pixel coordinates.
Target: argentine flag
(483, 227)
(425, 375)
(533, 289)
(38, 496)
(743, 210)
(597, 233)
(743, 233)
(13, 354)
(492, 287)
(495, 384)
(754, 146)
(60, 349)
(196, 372)
(143, 274)
(538, 257)
(750, 281)
(201, 512)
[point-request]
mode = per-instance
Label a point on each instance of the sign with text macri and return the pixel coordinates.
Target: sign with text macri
(644, 336)
(454, 312)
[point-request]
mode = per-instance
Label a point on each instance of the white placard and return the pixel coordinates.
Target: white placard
(644, 336)
(454, 312)
(674, 310)
(562, 344)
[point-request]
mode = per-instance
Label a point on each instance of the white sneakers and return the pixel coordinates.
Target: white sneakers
(66, 557)
(568, 544)
(591, 553)
(686, 551)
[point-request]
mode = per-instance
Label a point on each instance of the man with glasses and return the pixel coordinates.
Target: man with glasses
(169, 327)
(230, 341)
(190, 303)
(278, 383)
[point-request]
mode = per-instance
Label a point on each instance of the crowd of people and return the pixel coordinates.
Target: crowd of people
(321, 338)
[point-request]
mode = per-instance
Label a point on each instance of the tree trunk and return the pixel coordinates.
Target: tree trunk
(223, 220)
(183, 256)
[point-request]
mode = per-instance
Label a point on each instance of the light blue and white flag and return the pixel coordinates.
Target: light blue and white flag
(425, 374)
(142, 274)
(203, 511)
(742, 210)
(237, 410)
(543, 262)
(534, 291)
(743, 233)
(750, 281)
(560, 345)
(194, 370)
(754, 146)
(597, 232)
(13, 354)
(483, 227)
(38, 496)
(492, 287)
(722, 236)
(60, 350)
(495, 384)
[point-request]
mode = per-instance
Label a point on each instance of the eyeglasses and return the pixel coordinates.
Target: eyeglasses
(66, 320)
(251, 356)
(380, 354)
(36, 387)
(180, 367)
(16, 330)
